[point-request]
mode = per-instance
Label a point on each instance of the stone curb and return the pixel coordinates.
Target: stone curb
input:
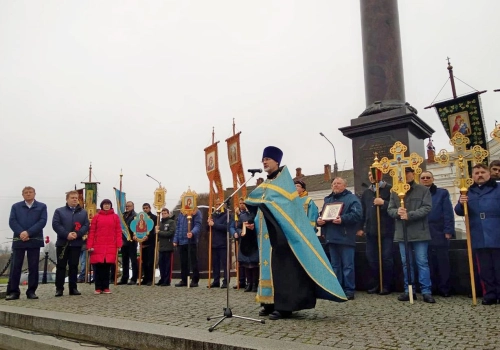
(13, 339)
(134, 335)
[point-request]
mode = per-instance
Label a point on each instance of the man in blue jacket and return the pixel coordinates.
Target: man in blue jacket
(219, 225)
(442, 227)
(340, 234)
(27, 220)
(187, 241)
(483, 202)
(71, 223)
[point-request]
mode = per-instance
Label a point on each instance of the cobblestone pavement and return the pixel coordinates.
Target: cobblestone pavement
(368, 322)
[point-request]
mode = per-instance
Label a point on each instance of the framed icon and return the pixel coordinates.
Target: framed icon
(210, 161)
(331, 211)
(188, 202)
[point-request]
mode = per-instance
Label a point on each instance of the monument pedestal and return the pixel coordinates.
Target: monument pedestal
(378, 132)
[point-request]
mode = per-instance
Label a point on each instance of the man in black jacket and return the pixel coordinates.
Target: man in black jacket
(71, 223)
(369, 227)
(148, 249)
(165, 232)
(129, 248)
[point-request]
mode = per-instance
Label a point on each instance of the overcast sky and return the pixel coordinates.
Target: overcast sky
(138, 86)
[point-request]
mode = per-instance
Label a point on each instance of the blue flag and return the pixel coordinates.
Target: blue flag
(120, 209)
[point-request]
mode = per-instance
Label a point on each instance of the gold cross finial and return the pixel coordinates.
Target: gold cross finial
(461, 157)
(495, 134)
(396, 167)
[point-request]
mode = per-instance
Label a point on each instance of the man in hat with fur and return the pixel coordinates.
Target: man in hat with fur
(288, 246)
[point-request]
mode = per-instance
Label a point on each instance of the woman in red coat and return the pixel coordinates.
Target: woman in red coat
(105, 237)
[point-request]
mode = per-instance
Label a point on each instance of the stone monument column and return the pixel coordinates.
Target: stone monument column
(387, 117)
(382, 57)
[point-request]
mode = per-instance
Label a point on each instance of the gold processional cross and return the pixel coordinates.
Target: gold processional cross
(396, 168)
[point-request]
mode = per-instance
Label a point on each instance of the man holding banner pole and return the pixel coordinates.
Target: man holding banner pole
(129, 248)
(378, 227)
(187, 233)
(481, 207)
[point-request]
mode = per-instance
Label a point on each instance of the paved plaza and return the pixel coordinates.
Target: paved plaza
(368, 322)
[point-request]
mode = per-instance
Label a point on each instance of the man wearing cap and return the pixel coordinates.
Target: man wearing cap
(308, 204)
(418, 204)
(294, 269)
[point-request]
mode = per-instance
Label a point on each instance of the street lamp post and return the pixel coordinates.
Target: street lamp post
(335, 166)
(159, 183)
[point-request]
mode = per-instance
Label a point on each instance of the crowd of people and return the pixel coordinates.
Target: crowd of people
(276, 230)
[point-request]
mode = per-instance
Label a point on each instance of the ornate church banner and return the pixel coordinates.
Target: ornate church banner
(464, 115)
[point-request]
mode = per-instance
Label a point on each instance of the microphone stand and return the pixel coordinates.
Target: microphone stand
(227, 313)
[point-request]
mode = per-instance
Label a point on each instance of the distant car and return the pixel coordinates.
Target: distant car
(51, 278)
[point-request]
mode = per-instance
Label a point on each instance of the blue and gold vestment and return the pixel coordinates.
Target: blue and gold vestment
(294, 269)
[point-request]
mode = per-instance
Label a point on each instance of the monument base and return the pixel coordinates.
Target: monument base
(378, 132)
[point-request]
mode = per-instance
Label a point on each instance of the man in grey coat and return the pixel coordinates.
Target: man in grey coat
(418, 204)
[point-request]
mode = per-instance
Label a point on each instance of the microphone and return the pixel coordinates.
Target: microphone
(253, 171)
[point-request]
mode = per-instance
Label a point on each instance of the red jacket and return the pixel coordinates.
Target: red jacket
(105, 237)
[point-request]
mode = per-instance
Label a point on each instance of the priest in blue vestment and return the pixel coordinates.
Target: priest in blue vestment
(294, 269)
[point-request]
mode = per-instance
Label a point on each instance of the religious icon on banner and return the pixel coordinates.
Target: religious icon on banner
(141, 225)
(233, 153)
(459, 122)
(210, 161)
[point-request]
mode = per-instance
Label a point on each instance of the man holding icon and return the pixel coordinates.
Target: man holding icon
(340, 232)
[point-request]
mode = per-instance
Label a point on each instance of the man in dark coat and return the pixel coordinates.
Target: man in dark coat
(129, 248)
(248, 250)
(442, 228)
(483, 202)
(149, 249)
(165, 232)
(220, 227)
(418, 204)
(27, 220)
(71, 223)
(369, 227)
(340, 234)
